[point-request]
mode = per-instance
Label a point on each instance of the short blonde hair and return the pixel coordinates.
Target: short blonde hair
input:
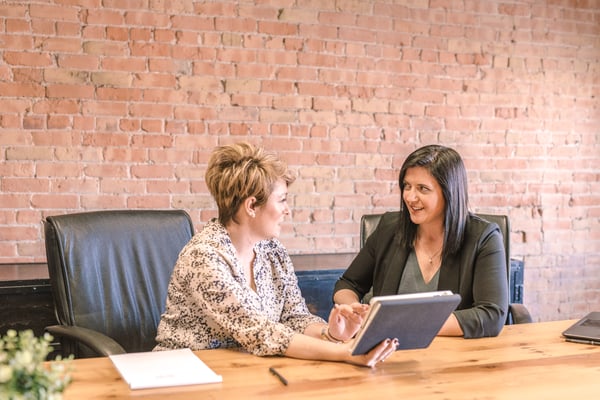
(241, 170)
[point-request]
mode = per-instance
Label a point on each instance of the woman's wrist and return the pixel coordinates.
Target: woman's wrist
(326, 335)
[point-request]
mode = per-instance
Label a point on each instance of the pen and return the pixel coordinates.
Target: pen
(583, 341)
(278, 375)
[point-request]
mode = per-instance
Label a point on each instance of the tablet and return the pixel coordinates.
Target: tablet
(414, 319)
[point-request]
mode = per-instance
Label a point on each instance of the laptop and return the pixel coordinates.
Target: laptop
(586, 330)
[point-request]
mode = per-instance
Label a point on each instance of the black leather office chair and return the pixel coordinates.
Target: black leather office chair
(109, 272)
(517, 313)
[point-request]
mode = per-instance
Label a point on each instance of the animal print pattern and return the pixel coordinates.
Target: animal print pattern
(210, 304)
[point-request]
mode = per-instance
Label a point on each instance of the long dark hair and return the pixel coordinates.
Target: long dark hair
(447, 167)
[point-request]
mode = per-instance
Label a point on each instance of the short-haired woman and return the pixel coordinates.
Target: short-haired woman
(234, 284)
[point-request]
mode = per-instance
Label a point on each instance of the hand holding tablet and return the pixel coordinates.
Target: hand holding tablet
(413, 319)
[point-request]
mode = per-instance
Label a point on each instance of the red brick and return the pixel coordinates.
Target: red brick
(200, 22)
(93, 32)
(43, 27)
(123, 64)
(58, 122)
(162, 65)
(17, 25)
(103, 201)
(318, 31)
(69, 91)
(129, 124)
(289, 102)
(150, 202)
(151, 110)
(105, 48)
(236, 24)
(344, 91)
(58, 169)
(154, 80)
(151, 141)
(75, 61)
(68, 28)
(188, 38)
(142, 34)
(55, 201)
(119, 94)
(56, 45)
(27, 58)
(277, 28)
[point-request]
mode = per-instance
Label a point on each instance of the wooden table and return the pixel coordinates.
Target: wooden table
(529, 361)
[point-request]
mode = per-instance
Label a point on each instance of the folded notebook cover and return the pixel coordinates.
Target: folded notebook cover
(155, 369)
(414, 319)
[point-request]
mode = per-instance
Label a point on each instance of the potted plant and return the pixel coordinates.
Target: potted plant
(24, 372)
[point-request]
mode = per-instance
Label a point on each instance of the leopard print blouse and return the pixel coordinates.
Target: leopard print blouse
(210, 304)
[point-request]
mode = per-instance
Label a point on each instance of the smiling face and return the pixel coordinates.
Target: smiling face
(270, 215)
(423, 197)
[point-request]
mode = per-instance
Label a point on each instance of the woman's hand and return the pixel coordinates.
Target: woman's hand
(345, 320)
(378, 354)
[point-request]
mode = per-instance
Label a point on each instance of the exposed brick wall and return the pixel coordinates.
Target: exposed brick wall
(118, 103)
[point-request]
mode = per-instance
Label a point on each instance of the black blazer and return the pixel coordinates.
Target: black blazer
(477, 272)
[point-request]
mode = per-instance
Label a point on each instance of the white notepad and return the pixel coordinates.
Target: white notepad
(155, 369)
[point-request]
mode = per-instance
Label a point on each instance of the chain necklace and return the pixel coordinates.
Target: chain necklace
(431, 257)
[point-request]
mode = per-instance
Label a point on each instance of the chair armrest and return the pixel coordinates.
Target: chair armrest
(519, 313)
(96, 341)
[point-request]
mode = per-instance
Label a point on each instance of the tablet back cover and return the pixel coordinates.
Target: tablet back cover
(413, 319)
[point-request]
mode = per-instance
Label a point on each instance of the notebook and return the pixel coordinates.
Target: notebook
(586, 330)
(155, 369)
(414, 319)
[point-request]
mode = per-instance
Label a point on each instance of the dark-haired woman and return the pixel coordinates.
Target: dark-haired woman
(434, 243)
